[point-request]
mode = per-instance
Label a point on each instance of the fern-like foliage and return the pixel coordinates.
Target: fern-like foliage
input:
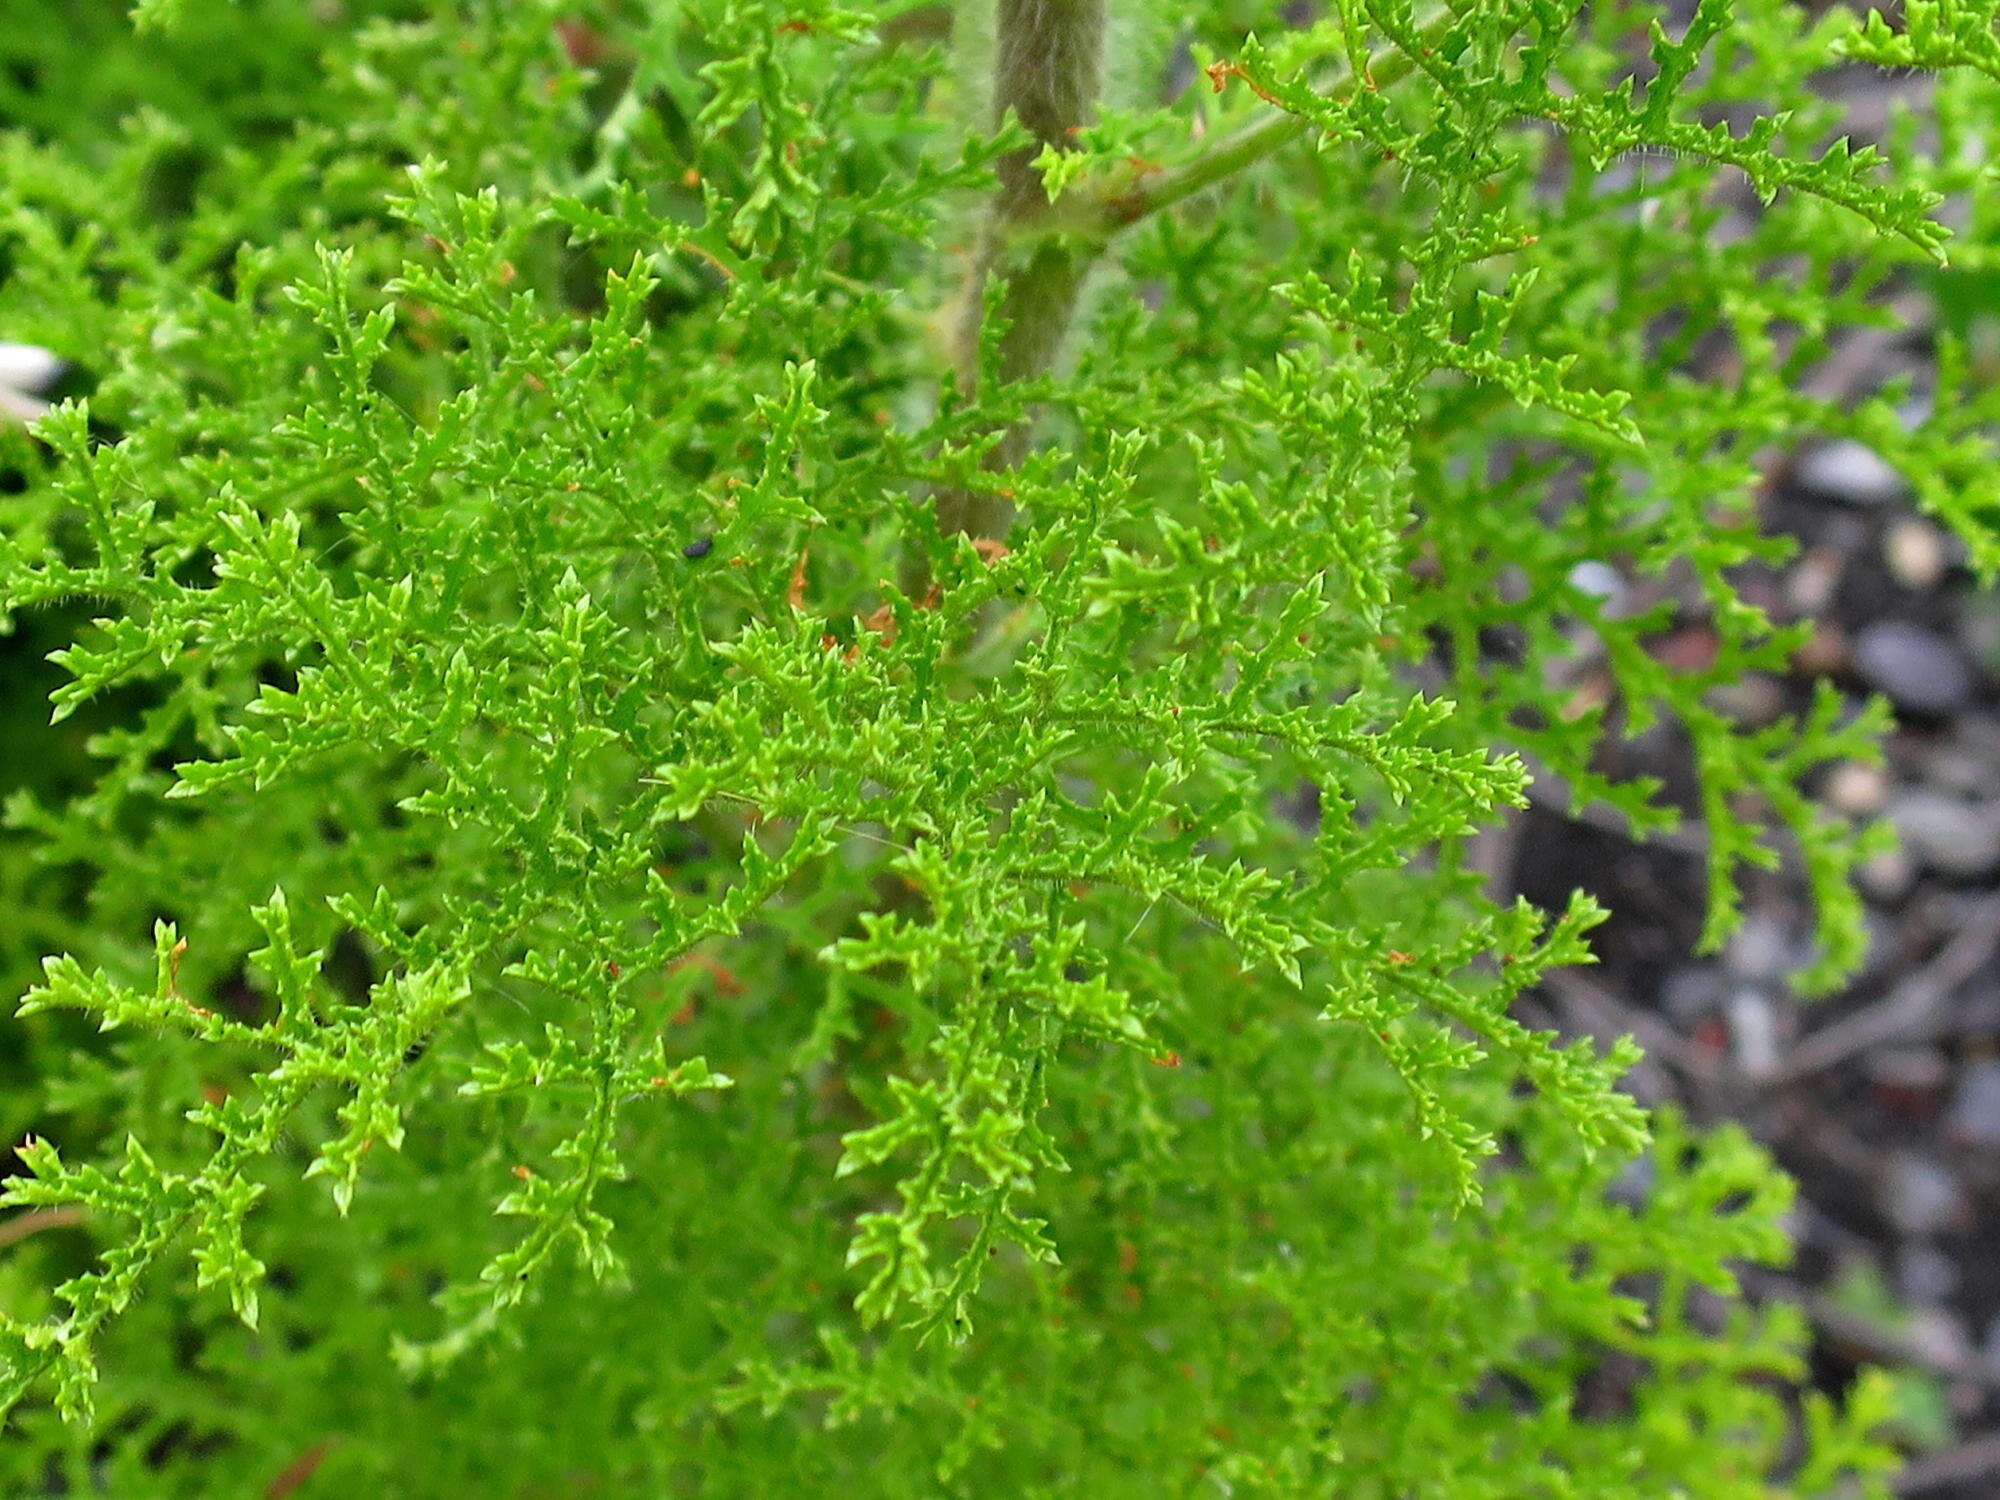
(639, 959)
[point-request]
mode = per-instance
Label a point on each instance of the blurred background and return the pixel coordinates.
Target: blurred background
(1882, 1101)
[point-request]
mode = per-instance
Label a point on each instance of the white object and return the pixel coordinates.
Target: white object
(26, 371)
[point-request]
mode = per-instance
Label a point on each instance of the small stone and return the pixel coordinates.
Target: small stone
(1886, 878)
(29, 368)
(1919, 670)
(1856, 788)
(1922, 1197)
(1598, 579)
(1823, 653)
(1958, 769)
(1809, 588)
(1760, 950)
(1752, 700)
(1946, 834)
(1916, 553)
(1977, 732)
(1753, 1029)
(1975, 1107)
(1849, 472)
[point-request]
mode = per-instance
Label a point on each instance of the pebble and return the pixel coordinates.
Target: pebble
(1916, 553)
(1856, 788)
(1886, 878)
(1760, 950)
(1810, 586)
(1922, 1197)
(1919, 670)
(1975, 1107)
(29, 368)
(1959, 769)
(1753, 1029)
(1849, 472)
(1823, 653)
(1946, 834)
(1752, 700)
(1977, 733)
(1598, 579)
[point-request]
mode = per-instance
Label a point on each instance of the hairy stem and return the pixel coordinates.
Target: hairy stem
(1048, 67)
(1048, 70)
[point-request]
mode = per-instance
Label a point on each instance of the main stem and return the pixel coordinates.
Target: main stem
(1048, 70)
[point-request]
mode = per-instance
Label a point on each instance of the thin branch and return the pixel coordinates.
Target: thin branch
(1869, 1337)
(18, 1228)
(1098, 216)
(1911, 1005)
(299, 1470)
(1593, 1008)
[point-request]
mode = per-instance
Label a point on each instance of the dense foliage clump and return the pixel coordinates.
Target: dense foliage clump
(767, 718)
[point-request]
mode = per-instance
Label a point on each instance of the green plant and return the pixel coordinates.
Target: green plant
(625, 544)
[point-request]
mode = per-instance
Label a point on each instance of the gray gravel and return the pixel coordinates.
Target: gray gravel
(1918, 670)
(1850, 473)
